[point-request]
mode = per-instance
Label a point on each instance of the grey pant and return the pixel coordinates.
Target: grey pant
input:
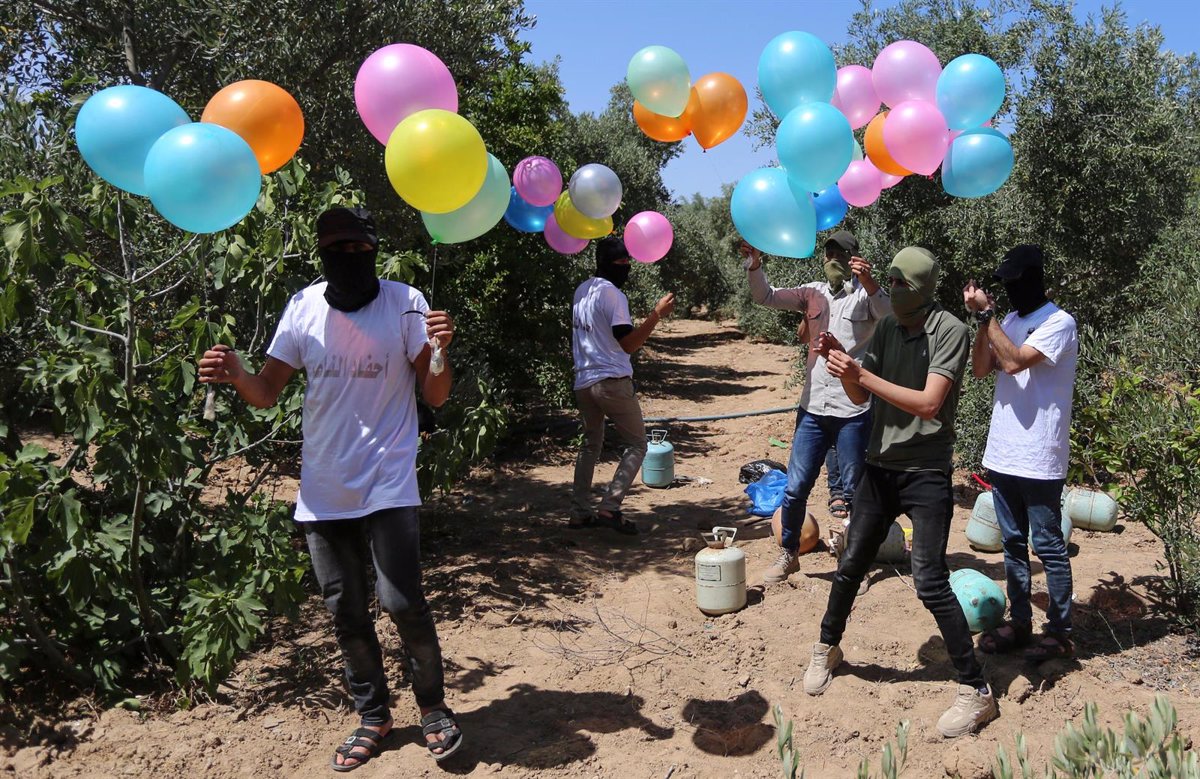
(341, 551)
(615, 399)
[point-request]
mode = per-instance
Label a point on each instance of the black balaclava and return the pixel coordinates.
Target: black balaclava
(1023, 276)
(351, 278)
(608, 251)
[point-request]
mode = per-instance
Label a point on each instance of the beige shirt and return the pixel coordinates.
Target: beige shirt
(850, 315)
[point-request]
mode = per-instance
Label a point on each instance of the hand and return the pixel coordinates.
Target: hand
(665, 305)
(439, 328)
(859, 267)
(751, 257)
(220, 365)
(828, 343)
(976, 298)
(843, 366)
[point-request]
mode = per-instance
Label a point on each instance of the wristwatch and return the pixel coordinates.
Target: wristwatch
(983, 317)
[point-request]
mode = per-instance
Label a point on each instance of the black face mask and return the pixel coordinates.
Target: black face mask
(351, 278)
(1028, 292)
(617, 274)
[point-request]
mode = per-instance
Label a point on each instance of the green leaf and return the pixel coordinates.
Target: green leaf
(185, 314)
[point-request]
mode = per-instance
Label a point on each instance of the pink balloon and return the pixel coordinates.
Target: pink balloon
(648, 236)
(906, 70)
(888, 180)
(860, 184)
(855, 95)
(916, 135)
(399, 80)
(538, 181)
(560, 241)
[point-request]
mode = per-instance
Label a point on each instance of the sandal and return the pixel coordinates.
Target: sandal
(617, 522)
(1050, 647)
(362, 739)
(838, 508)
(994, 641)
(441, 722)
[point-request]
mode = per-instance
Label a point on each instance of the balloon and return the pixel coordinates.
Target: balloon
(667, 129)
(955, 133)
(648, 236)
(525, 216)
(830, 207)
(970, 91)
(773, 214)
(794, 68)
(202, 177)
(476, 217)
(815, 144)
(720, 108)
(560, 241)
(905, 70)
(659, 80)
(538, 181)
(266, 117)
(977, 164)
(595, 192)
(117, 126)
(855, 95)
(888, 180)
(858, 152)
(877, 151)
(396, 82)
(916, 136)
(436, 161)
(573, 223)
(860, 184)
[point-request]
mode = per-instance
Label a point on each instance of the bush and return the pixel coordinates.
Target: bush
(891, 761)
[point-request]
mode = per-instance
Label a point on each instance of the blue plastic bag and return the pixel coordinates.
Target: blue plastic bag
(766, 494)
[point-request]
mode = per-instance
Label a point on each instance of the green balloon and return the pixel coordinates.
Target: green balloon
(659, 79)
(479, 215)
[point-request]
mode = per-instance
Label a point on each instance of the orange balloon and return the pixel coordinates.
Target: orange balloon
(264, 115)
(667, 129)
(877, 152)
(720, 108)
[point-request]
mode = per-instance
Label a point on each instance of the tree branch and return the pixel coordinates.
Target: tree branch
(100, 330)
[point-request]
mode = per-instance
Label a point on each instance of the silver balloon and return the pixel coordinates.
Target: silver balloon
(595, 190)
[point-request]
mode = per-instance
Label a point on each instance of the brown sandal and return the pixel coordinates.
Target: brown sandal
(994, 642)
(1050, 647)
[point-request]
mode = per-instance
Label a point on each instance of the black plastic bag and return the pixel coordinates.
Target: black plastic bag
(753, 471)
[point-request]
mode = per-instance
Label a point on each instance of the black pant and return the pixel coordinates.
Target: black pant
(926, 497)
(341, 551)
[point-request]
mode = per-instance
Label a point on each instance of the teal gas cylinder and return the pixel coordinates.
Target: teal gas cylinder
(983, 529)
(658, 469)
(981, 599)
(1090, 510)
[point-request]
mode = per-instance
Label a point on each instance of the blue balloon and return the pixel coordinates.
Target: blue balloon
(977, 163)
(970, 91)
(831, 208)
(773, 214)
(117, 126)
(524, 216)
(815, 144)
(794, 68)
(202, 177)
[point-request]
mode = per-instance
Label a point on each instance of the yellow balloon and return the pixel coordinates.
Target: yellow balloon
(436, 161)
(576, 224)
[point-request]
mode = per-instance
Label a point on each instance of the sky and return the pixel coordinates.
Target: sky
(595, 39)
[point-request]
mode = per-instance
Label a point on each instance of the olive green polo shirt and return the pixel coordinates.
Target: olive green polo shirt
(901, 441)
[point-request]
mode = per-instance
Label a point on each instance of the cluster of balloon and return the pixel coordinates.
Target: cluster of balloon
(201, 176)
(934, 118)
(668, 106)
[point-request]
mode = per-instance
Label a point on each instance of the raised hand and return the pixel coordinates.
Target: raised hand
(220, 365)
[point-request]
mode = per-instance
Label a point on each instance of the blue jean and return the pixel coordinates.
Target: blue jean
(1022, 504)
(815, 433)
(833, 472)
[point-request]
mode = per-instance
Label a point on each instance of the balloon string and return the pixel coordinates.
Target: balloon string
(433, 277)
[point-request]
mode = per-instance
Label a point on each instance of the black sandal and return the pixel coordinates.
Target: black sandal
(838, 508)
(363, 738)
(993, 642)
(618, 523)
(1050, 647)
(441, 722)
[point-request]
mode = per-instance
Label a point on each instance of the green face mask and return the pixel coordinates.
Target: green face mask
(837, 271)
(908, 305)
(919, 270)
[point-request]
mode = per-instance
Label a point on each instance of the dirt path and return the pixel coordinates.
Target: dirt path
(582, 654)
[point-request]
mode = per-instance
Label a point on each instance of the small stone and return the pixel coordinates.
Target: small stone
(744, 680)
(1020, 689)
(672, 624)
(1131, 676)
(276, 763)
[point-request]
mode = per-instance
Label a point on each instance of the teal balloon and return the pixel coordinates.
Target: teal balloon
(202, 177)
(795, 68)
(970, 91)
(773, 214)
(977, 163)
(659, 79)
(830, 208)
(524, 216)
(479, 215)
(815, 144)
(117, 126)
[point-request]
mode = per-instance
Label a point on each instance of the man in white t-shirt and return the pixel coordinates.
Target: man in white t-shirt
(365, 345)
(1033, 354)
(602, 338)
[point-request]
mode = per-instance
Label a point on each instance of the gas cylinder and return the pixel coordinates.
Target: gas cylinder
(658, 469)
(1090, 510)
(720, 573)
(981, 599)
(983, 529)
(892, 549)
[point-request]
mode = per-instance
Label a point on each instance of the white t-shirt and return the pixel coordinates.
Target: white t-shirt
(360, 410)
(1031, 417)
(598, 306)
